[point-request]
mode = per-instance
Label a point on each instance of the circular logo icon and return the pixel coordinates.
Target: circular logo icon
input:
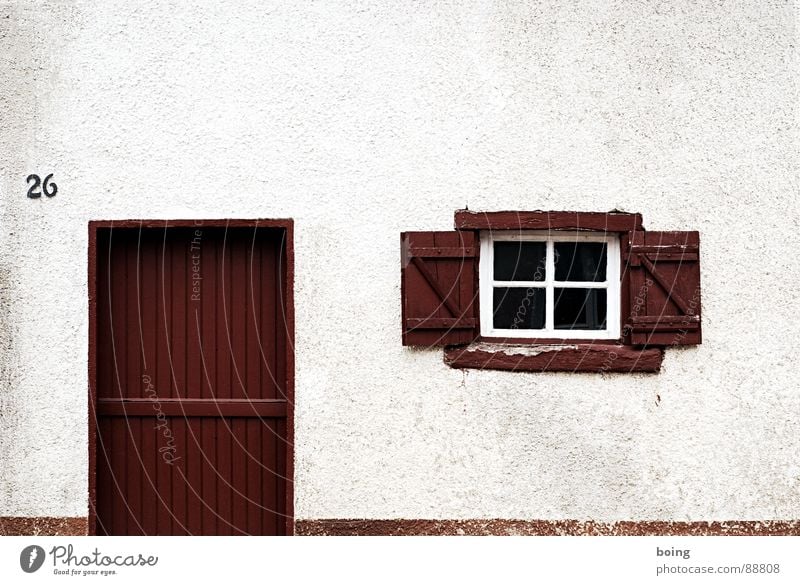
(31, 558)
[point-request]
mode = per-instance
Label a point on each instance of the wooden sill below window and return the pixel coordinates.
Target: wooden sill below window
(573, 357)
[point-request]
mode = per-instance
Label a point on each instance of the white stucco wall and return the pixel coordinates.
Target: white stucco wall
(363, 119)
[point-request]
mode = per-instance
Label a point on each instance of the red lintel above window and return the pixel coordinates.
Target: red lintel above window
(612, 221)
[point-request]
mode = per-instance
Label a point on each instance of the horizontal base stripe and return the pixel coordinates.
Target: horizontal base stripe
(43, 526)
(545, 528)
(70, 526)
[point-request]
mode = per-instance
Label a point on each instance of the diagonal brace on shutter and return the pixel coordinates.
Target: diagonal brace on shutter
(431, 280)
(668, 288)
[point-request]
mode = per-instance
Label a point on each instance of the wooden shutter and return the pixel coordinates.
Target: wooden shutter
(663, 271)
(439, 295)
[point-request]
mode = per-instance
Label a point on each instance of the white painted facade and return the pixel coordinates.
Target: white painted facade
(363, 119)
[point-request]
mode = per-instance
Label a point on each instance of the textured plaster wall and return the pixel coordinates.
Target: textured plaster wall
(362, 119)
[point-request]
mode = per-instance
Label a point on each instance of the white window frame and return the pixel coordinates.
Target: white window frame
(611, 284)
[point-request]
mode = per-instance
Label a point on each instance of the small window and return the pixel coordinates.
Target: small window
(535, 290)
(550, 285)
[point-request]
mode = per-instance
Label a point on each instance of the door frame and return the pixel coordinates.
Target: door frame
(287, 225)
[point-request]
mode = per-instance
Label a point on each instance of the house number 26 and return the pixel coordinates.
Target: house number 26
(48, 188)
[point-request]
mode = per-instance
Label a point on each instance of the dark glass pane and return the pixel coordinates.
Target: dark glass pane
(584, 261)
(580, 308)
(519, 308)
(519, 260)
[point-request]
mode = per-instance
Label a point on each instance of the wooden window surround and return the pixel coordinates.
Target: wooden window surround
(657, 281)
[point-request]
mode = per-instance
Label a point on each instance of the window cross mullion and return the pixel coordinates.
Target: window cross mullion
(549, 318)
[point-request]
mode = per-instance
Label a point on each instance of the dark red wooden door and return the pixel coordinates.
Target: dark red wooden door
(191, 381)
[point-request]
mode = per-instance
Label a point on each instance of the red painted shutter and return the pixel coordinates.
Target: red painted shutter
(439, 295)
(663, 270)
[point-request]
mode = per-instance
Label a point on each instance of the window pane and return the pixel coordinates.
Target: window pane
(580, 308)
(519, 260)
(519, 308)
(584, 261)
